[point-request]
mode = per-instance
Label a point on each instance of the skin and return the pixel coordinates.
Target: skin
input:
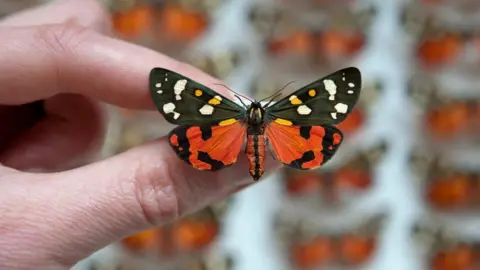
(55, 207)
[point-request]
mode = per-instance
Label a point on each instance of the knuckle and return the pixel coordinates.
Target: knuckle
(62, 38)
(155, 190)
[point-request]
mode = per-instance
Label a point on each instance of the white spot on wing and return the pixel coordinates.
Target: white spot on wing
(334, 115)
(331, 88)
(168, 108)
(292, 97)
(351, 84)
(218, 98)
(179, 87)
(341, 108)
(350, 91)
(304, 110)
(206, 110)
(176, 115)
(160, 91)
(158, 85)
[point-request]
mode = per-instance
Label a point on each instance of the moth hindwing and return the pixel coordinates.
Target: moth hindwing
(183, 101)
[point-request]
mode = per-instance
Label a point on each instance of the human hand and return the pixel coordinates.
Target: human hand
(57, 54)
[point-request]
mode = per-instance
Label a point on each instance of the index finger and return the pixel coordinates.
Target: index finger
(40, 62)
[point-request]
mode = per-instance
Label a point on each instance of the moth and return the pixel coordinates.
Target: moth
(212, 128)
(212, 261)
(328, 35)
(445, 117)
(445, 186)
(313, 246)
(353, 176)
(444, 247)
(188, 235)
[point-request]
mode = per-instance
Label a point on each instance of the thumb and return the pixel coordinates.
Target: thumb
(57, 219)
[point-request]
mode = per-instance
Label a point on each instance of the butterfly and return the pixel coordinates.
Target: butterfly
(212, 128)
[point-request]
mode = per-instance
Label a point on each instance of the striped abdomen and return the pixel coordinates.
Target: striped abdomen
(256, 155)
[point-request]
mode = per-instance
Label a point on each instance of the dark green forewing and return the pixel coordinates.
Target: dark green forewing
(326, 101)
(183, 101)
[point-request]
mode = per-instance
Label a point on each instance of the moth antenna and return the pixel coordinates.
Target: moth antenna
(277, 92)
(245, 97)
(241, 101)
(278, 95)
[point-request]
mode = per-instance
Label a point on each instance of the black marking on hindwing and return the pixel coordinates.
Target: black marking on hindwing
(206, 132)
(307, 156)
(329, 149)
(305, 132)
(183, 148)
(205, 157)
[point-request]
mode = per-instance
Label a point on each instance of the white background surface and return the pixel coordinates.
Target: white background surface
(250, 232)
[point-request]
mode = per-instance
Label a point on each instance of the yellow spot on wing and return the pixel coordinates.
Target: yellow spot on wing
(198, 92)
(312, 92)
(227, 122)
(283, 122)
(214, 101)
(295, 101)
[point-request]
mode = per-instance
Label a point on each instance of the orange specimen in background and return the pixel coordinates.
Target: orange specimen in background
(302, 183)
(184, 236)
(143, 241)
(439, 50)
(448, 120)
(449, 192)
(351, 250)
(353, 122)
(340, 44)
(335, 44)
(317, 252)
(457, 258)
(134, 22)
(357, 178)
(299, 42)
(356, 249)
(193, 235)
(180, 24)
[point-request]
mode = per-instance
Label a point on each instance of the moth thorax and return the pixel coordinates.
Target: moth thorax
(255, 115)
